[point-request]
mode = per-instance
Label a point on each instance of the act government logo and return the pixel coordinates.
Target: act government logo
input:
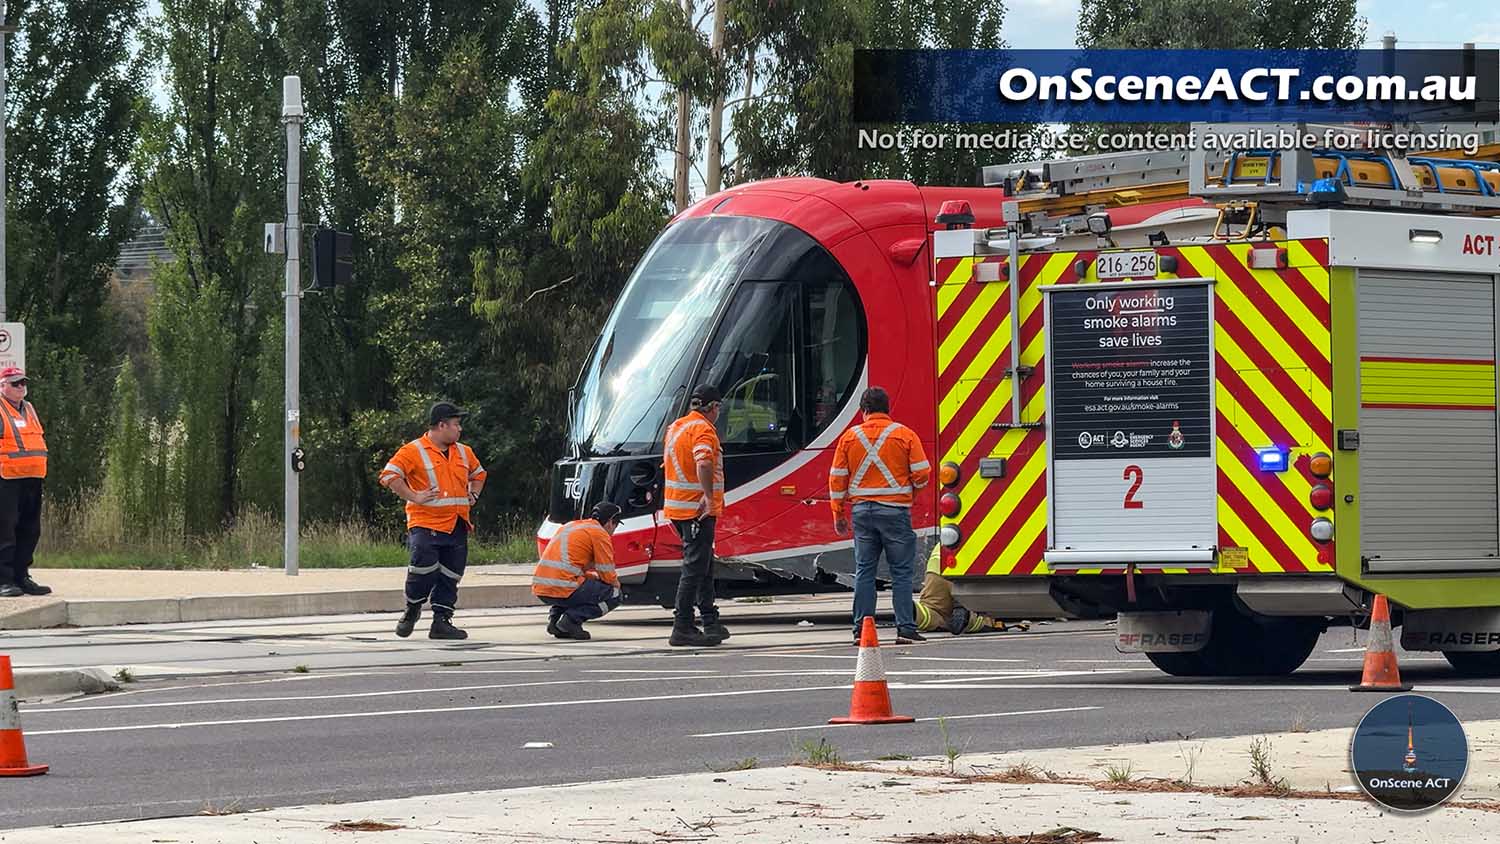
(1409, 753)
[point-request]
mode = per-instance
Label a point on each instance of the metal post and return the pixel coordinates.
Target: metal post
(4, 30)
(291, 115)
(1011, 212)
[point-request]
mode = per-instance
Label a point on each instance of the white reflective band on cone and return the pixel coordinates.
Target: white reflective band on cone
(10, 712)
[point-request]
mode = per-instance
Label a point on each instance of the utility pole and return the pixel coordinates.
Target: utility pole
(5, 29)
(291, 115)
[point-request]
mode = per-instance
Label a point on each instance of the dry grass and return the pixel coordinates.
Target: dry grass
(363, 826)
(1061, 835)
(92, 533)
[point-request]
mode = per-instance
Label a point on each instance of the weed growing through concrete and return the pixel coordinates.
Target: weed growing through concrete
(1190, 756)
(1301, 722)
(894, 757)
(124, 676)
(1260, 765)
(301, 669)
(745, 764)
(950, 752)
(819, 752)
(1119, 774)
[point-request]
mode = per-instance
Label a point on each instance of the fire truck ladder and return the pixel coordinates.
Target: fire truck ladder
(1064, 190)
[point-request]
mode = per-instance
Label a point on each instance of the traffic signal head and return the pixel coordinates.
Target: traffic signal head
(333, 258)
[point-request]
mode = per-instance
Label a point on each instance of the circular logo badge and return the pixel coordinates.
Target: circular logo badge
(1409, 753)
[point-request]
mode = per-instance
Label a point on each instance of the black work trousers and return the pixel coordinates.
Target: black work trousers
(695, 586)
(437, 565)
(20, 526)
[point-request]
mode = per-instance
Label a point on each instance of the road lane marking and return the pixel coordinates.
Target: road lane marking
(918, 721)
(335, 716)
(1178, 687)
(353, 695)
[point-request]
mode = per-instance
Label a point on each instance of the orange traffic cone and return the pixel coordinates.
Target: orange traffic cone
(1381, 673)
(12, 747)
(871, 702)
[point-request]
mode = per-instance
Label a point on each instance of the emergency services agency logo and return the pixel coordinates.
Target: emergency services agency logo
(1409, 753)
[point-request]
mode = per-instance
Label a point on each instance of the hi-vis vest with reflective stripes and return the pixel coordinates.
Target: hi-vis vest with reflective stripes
(23, 449)
(423, 466)
(878, 460)
(690, 439)
(578, 548)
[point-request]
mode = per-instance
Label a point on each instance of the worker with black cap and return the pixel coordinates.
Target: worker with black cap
(576, 574)
(693, 499)
(439, 478)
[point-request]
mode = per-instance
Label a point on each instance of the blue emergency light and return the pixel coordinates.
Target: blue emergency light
(1271, 459)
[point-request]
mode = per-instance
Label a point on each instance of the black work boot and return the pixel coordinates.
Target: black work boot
(408, 620)
(690, 636)
(31, 587)
(442, 628)
(716, 631)
(567, 628)
(10, 590)
(552, 626)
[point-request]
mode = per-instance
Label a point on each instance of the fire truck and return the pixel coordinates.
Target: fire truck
(1199, 340)
(1232, 441)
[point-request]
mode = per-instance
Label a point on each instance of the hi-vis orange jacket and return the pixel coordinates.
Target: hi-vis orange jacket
(23, 449)
(424, 466)
(888, 463)
(580, 549)
(690, 439)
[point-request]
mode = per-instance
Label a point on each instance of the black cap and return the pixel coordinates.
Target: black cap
(605, 512)
(443, 411)
(705, 394)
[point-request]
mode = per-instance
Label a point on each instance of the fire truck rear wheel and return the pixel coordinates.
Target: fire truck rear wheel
(1246, 646)
(1188, 664)
(1475, 663)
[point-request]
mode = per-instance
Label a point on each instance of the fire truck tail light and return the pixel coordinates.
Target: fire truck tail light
(949, 505)
(950, 536)
(1322, 530)
(1320, 465)
(1321, 496)
(948, 474)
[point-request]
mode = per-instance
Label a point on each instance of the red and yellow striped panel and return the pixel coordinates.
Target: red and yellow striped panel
(1273, 387)
(1427, 383)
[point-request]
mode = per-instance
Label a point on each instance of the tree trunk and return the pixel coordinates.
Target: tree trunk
(683, 148)
(714, 170)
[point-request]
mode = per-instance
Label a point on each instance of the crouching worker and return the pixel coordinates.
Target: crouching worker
(936, 609)
(576, 575)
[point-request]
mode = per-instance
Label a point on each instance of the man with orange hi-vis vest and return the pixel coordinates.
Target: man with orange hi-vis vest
(693, 499)
(439, 478)
(878, 466)
(23, 465)
(576, 574)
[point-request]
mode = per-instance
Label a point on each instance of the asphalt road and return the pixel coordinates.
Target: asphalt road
(227, 743)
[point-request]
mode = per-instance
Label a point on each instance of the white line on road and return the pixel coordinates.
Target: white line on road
(425, 711)
(353, 695)
(1180, 687)
(919, 720)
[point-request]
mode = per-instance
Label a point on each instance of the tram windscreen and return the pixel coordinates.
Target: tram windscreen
(657, 329)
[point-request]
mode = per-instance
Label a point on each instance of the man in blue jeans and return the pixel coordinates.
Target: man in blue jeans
(877, 468)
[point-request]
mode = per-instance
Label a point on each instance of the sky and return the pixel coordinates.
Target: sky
(1052, 24)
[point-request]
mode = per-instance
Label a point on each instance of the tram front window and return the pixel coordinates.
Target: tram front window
(656, 331)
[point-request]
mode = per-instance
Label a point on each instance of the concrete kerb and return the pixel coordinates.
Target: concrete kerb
(55, 682)
(110, 612)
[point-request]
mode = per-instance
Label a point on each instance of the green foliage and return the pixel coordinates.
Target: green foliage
(1220, 24)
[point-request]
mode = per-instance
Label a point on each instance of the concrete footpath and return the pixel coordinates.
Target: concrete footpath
(100, 597)
(916, 802)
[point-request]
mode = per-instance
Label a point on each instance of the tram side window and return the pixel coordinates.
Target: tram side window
(834, 347)
(753, 361)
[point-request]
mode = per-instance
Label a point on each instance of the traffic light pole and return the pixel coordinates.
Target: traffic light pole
(291, 115)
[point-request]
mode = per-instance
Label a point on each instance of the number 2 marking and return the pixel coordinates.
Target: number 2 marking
(1130, 502)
